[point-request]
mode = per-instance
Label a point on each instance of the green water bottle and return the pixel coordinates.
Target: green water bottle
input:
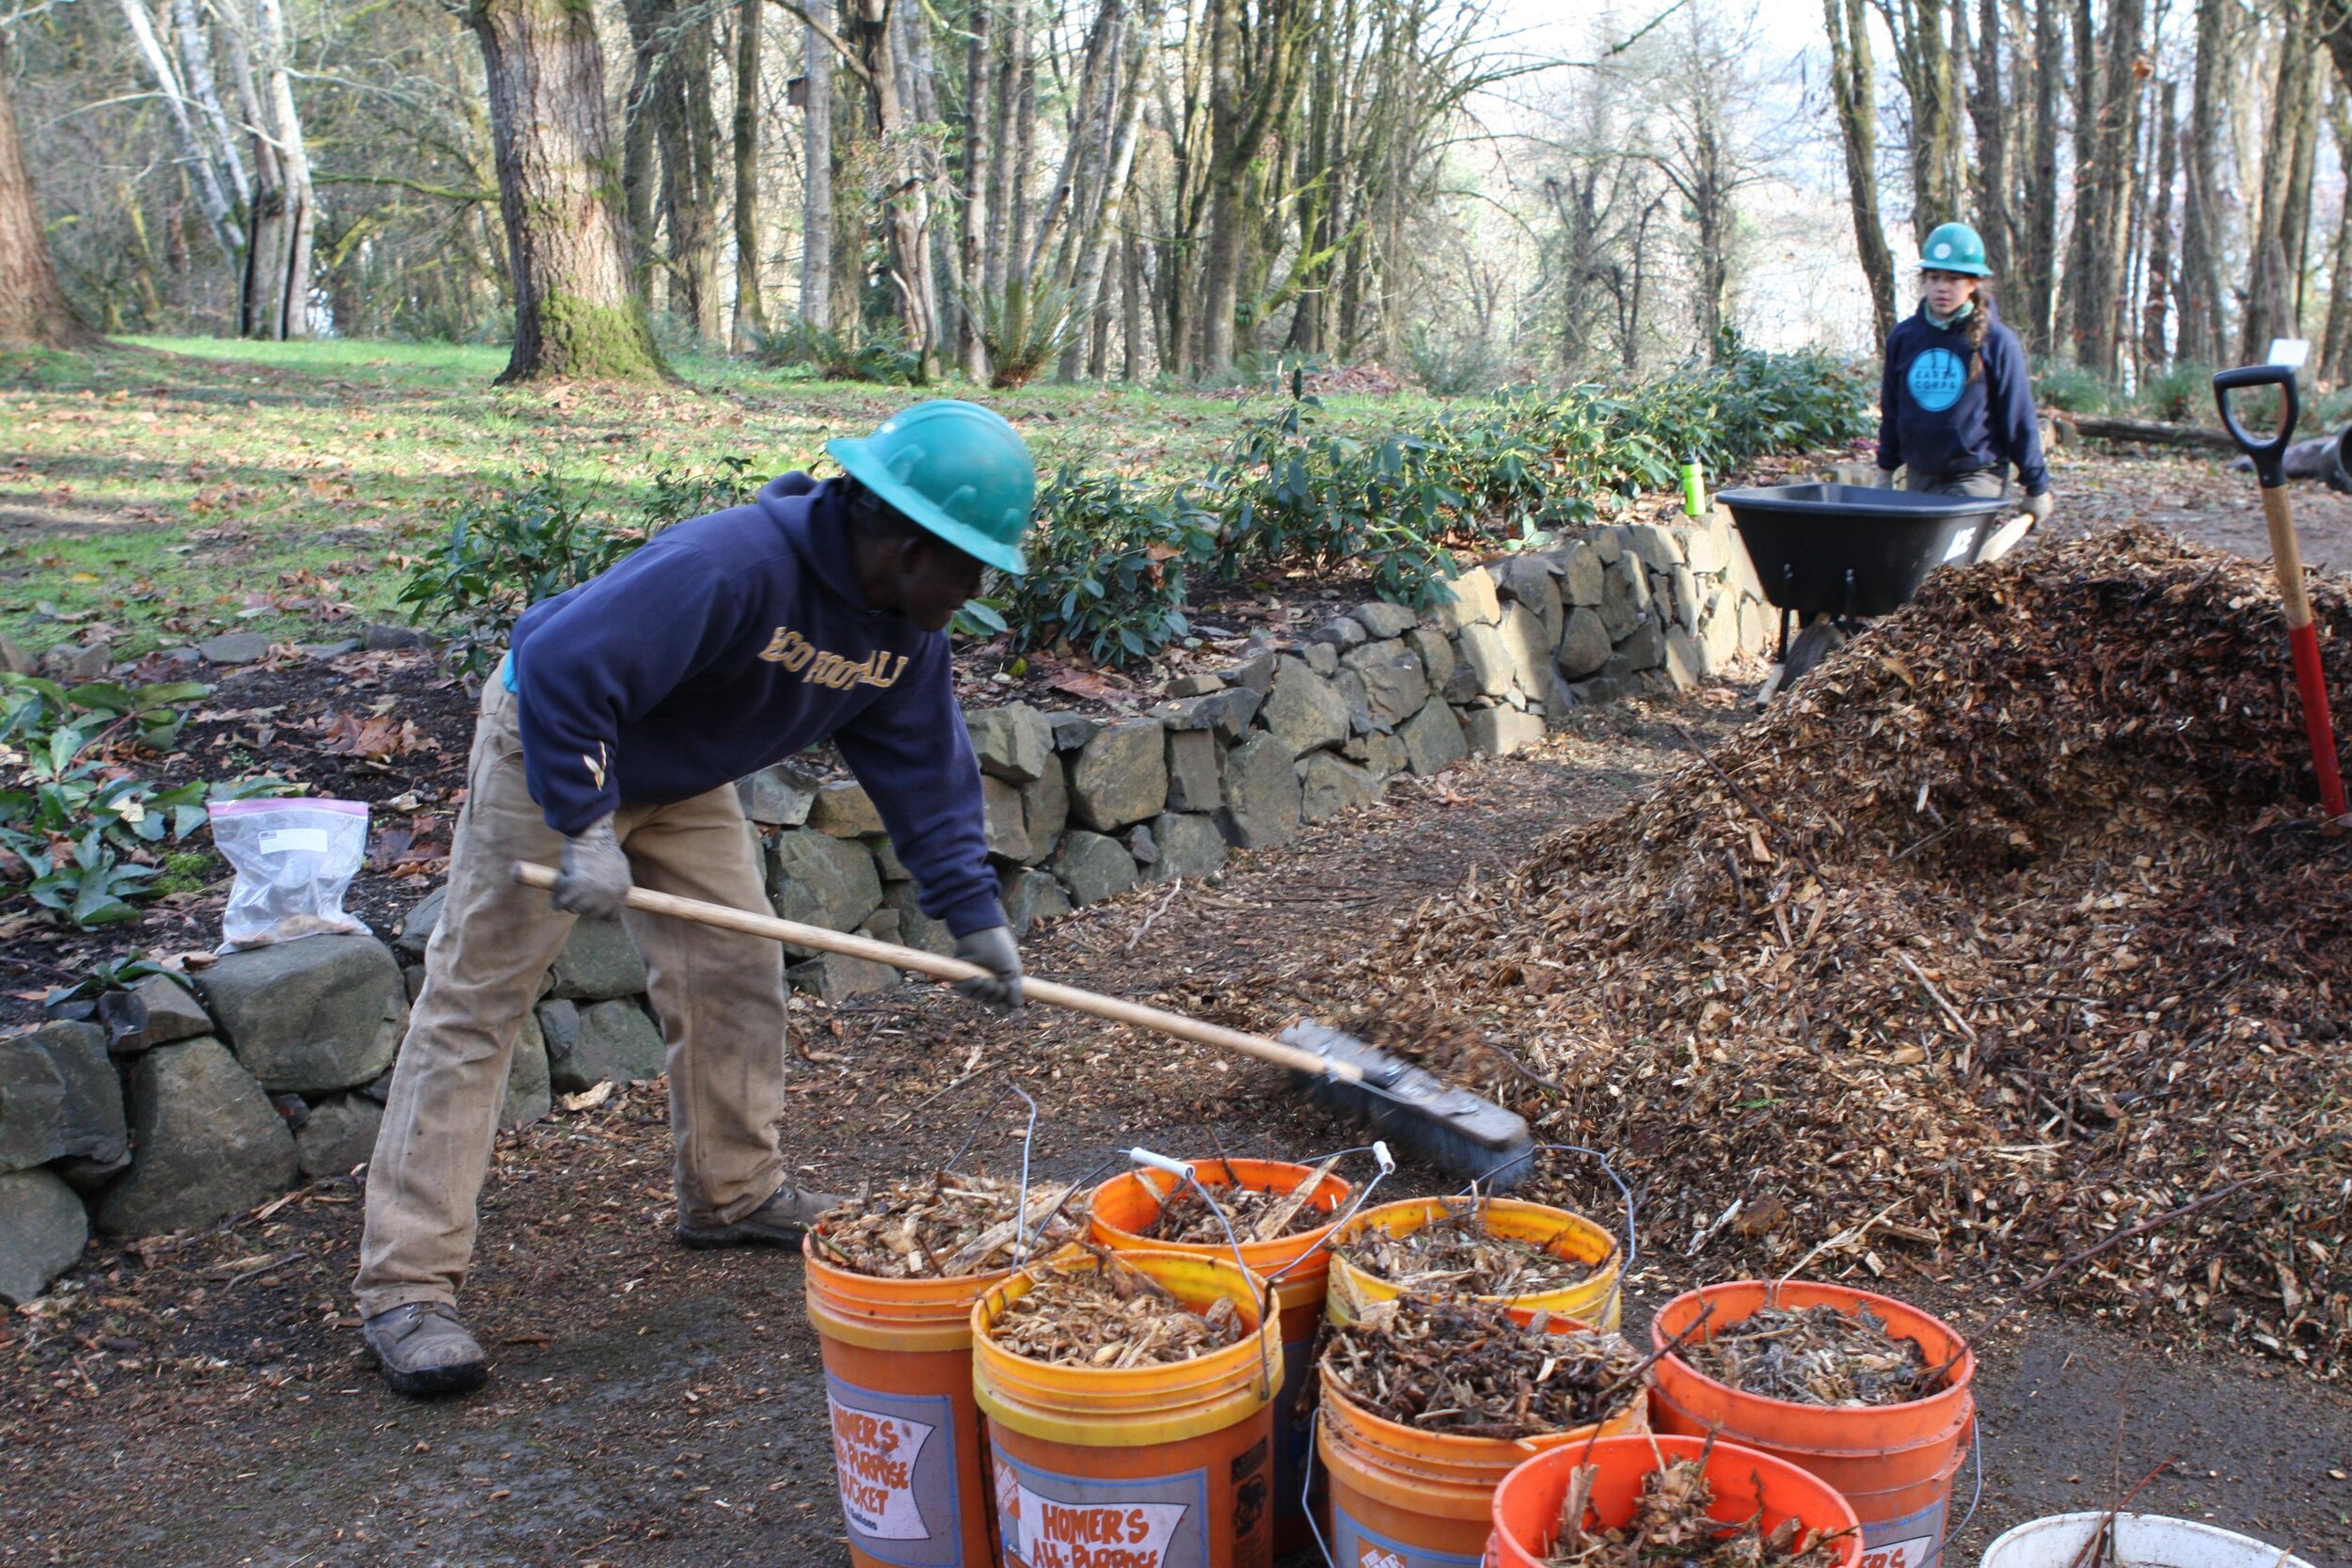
(1693, 488)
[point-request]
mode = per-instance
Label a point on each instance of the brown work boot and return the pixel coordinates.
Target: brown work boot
(782, 1221)
(424, 1350)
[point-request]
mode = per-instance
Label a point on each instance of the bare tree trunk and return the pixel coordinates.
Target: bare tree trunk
(2037, 240)
(1989, 173)
(33, 311)
(1253, 62)
(1024, 145)
(2335, 356)
(2276, 243)
(1131, 309)
(279, 292)
(2201, 287)
(2102, 185)
(2154, 349)
(219, 213)
(906, 201)
(196, 58)
(970, 351)
(1852, 76)
(817, 67)
(1012, 42)
(750, 314)
(573, 313)
(688, 132)
(1930, 69)
(640, 123)
(1101, 230)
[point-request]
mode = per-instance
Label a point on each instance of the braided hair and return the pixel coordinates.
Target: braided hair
(1974, 328)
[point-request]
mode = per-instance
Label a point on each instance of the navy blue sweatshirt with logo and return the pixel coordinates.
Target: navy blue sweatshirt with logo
(1941, 421)
(731, 642)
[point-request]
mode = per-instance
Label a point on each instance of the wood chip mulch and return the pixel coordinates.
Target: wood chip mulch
(946, 1226)
(1469, 1370)
(2009, 931)
(1111, 1317)
(1814, 1356)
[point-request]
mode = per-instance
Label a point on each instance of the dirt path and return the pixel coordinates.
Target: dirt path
(204, 1402)
(2199, 498)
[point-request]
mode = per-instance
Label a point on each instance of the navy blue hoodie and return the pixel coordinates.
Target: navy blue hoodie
(731, 642)
(1941, 421)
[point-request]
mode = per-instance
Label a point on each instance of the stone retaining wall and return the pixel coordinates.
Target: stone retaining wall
(183, 1108)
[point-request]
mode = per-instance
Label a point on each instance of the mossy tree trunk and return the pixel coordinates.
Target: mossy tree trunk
(567, 234)
(34, 312)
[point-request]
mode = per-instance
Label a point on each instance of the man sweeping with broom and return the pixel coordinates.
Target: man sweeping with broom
(609, 743)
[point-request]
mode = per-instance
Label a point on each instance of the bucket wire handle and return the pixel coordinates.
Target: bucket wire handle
(1183, 1171)
(1976, 1456)
(1306, 1491)
(1386, 1160)
(1632, 1209)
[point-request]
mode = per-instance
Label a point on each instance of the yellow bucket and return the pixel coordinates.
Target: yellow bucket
(1596, 1299)
(1157, 1464)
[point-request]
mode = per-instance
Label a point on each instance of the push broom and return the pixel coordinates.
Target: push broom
(1405, 1104)
(2286, 560)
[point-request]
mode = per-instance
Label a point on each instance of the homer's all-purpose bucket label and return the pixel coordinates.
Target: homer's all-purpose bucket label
(1354, 1546)
(1055, 1521)
(1906, 1542)
(895, 1457)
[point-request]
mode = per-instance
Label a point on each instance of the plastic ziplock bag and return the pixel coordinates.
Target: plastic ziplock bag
(292, 858)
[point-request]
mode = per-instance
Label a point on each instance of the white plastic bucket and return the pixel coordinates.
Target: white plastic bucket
(2141, 1540)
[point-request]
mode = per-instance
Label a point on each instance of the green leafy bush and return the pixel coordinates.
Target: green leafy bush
(2069, 389)
(1108, 566)
(1290, 491)
(502, 555)
(74, 818)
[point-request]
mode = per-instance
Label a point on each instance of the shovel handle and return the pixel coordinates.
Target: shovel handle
(1116, 1009)
(2269, 457)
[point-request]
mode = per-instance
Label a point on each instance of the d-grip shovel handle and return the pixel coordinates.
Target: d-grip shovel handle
(2269, 456)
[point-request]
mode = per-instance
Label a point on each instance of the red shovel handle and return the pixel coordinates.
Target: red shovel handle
(2303, 643)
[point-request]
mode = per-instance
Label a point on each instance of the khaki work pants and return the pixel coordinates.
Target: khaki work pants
(721, 997)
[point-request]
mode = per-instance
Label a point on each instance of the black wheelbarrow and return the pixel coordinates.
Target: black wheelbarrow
(1832, 556)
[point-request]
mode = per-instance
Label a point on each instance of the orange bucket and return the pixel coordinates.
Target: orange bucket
(906, 1434)
(1141, 1467)
(1595, 1299)
(1123, 1207)
(1895, 1463)
(1420, 1500)
(1746, 1483)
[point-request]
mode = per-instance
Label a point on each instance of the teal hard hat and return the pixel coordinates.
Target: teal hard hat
(1954, 247)
(954, 468)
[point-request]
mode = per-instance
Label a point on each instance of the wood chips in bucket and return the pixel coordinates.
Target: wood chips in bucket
(1110, 1316)
(945, 1226)
(1815, 1355)
(1256, 1214)
(1468, 1370)
(1455, 1255)
(1670, 1526)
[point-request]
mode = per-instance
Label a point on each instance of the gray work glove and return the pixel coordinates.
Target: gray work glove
(993, 950)
(2037, 507)
(1886, 479)
(595, 881)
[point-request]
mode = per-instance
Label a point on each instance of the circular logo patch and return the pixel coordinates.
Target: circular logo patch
(1935, 379)
(1942, 251)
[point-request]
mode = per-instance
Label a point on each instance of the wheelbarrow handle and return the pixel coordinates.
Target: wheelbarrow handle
(2269, 457)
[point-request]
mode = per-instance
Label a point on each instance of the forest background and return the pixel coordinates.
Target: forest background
(1468, 192)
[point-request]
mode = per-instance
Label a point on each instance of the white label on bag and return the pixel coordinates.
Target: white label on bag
(311, 841)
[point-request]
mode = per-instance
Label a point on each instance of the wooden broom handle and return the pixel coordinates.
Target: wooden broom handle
(1119, 1011)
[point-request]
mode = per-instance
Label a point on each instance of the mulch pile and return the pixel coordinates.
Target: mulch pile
(1243, 1212)
(2009, 930)
(1455, 1254)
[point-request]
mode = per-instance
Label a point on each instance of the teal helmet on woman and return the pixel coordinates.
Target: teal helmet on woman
(1954, 247)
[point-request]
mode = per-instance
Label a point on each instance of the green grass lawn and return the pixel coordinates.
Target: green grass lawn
(170, 488)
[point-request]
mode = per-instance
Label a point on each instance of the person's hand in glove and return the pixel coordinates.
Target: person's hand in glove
(993, 950)
(1885, 479)
(594, 878)
(2037, 507)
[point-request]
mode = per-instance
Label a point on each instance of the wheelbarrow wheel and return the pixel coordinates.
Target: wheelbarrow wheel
(1806, 649)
